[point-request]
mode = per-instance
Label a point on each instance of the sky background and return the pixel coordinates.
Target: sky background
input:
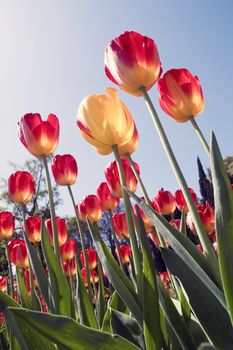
(52, 57)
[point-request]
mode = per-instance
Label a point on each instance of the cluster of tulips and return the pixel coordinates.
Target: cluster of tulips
(96, 299)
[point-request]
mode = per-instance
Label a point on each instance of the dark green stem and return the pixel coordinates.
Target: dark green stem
(10, 270)
(116, 241)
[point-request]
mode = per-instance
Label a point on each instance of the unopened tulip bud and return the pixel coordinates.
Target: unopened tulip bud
(91, 258)
(7, 224)
(33, 229)
(165, 202)
(107, 200)
(21, 187)
(181, 202)
(120, 225)
(64, 169)
(89, 207)
(68, 249)
(61, 230)
(18, 253)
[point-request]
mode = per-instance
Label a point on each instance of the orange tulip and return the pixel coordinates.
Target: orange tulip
(165, 202)
(21, 187)
(105, 121)
(7, 224)
(61, 230)
(33, 226)
(131, 145)
(107, 200)
(89, 207)
(91, 258)
(180, 94)
(64, 169)
(132, 61)
(38, 136)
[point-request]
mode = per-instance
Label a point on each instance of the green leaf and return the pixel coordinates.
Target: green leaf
(127, 327)
(210, 313)
(223, 200)
(182, 227)
(23, 291)
(151, 313)
(85, 307)
(118, 279)
(65, 332)
(115, 302)
(184, 248)
(58, 287)
(100, 303)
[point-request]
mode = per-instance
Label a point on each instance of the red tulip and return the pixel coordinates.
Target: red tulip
(132, 61)
(107, 200)
(7, 224)
(146, 220)
(180, 200)
(91, 258)
(89, 207)
(113, 179)
(61, 230)
(180, 94)
(18, 253)
(94, 278)
(38, 136)
(165, 202)
(64, 169)
(175, 223)
(70, 267)
(68, 249)
(125, 252)
(165, 279)
(120, 225)
(33, 229)
(3, 284)
(21, 187)
(26, 275)
(207, 216)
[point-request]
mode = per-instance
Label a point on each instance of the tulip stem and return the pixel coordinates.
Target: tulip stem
(200, 135)
(210, 254)
(82, 243)
(10, 269)
(116, 241)
(128, 211)
(52, 209)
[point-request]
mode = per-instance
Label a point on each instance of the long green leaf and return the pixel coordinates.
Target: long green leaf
(211, 314)
(223, 200)
(58, 287)
(23, 291)
(116, 303)
(118, 279)
(65, 332)
(100, 302)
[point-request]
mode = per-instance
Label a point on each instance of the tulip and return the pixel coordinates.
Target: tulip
(176, 223)
(120, 225)
(107, 200)
(33, 229)
(154, 238)
(21, 187)
(113, 179)
(89, 207)
(131, 145)
(61, 230)
(91, 258)
(38, 136)
(165, 279)
(146, 220)
(3, 284)
(7, 224)
(94, 278)
(18, 253)
(165, 202)
(132, 61)
(26, 275)
(207, 216)
(180, 200)
(64, 169)
(70, 267)
(181, 95)
(125, 252)
(105, 121)
(68, 249)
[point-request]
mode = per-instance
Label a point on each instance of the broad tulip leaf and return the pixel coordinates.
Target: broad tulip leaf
(223, 200)
(118, 279)
(66, 333)
(184, 248)
(23, 291)
(100, 303)
(151, 313)
(58, 287)
(127, 327)
(210, 313)
(116, 303)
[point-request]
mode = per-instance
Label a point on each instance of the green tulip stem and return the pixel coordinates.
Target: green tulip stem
(52, 208)
(116, 241)
(82, 242)
(10, 269)
(200, 135)
(130, 223)
(210, 254)
(71, 282)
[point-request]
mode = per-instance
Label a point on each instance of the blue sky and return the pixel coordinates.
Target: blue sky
(52, 57)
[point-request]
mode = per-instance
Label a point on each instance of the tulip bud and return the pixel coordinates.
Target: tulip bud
(165, 202)
(120, 225)
(69, 267)
(180, 94)
(33, 229)
(94, 278)
(176, 223)
(7, 224)
(131, 145)
(38, 136)
(68, 249)
(3, 284)
(107, 200)
(113, 179)
(125, 252)
(91, 258)
(18, 253)
(131, 61)
(146, 220)
(26, 276)
(180, 200)
(61, 230)
(207, 216)
(64, 169)
(165, 279)
(21, 187)
(89, 207)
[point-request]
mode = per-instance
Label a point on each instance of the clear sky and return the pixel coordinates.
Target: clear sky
(52, 57)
